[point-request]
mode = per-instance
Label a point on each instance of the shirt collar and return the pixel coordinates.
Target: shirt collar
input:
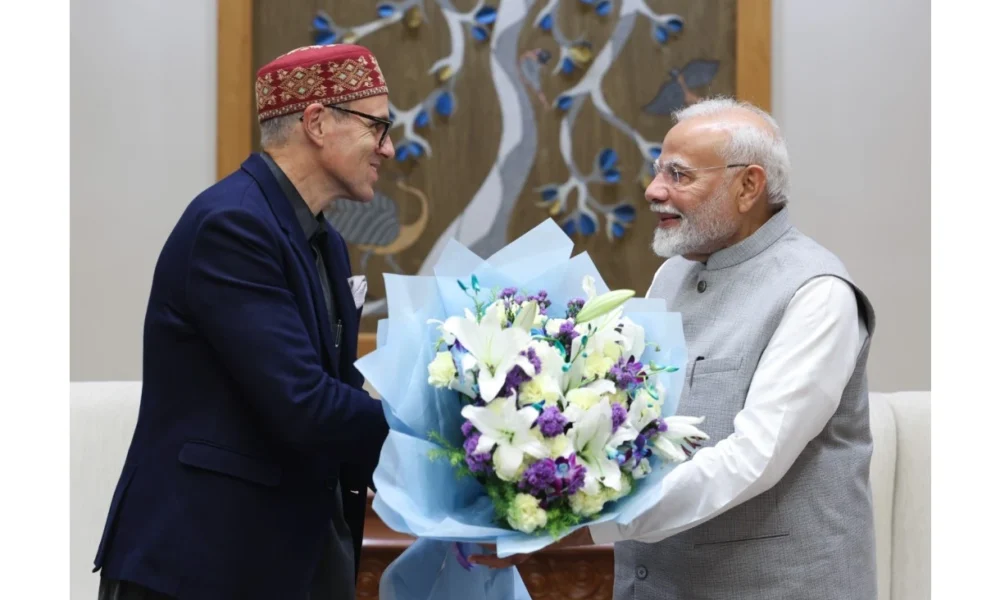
(311, 224)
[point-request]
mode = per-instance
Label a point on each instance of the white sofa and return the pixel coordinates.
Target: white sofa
(103, 415)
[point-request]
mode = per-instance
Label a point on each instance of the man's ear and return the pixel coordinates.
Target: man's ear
(753, 188)
(313, 123)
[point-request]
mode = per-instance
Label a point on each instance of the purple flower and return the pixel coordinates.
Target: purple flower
(549, 479)
(566, 335)
(618, 416)
(627, 374)
(532, 357)
(517, 375)
(566, 329)
(539, 477)
(457, 346)
(508, 292)
(477, 462)
(573, 307)
(542, 298)
(551, 422)
(633, 453)
(569, 476)
(467, 428)
(519, 299)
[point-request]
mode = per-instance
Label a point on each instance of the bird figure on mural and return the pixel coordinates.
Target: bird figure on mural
(531, 63)
(374, 227)
(676, 93)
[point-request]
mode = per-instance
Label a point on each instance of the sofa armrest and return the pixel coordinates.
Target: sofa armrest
(911, 552)
(883, 482)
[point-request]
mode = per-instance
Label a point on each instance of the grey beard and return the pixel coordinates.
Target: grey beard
(699, 232)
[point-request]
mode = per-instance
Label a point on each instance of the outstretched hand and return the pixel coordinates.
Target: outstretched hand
(580, 537)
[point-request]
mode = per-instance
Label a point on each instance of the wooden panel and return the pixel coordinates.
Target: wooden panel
(235, 101)
(641, 69)
(753, 52)
(563, 574)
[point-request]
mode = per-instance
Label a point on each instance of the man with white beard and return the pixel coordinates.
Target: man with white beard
(777, 504)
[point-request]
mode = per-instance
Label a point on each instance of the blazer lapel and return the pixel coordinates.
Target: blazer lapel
(339, 270)
(283, 212)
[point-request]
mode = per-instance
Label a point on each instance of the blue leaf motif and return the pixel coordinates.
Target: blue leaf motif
(549, 193)
(603, 8)
(486, 15)
(444, 105)
(569, 227)
(618, 230)
(608, 159)
(416, 149)
(422, 119)
(586, 1)
(612, 176)
(385, 10)
(675, 26)
(480, 33)
(654, 152)
(566, 67)
(662, 35)
(625, 213)
(564, 102)
(402, 152)
(546, 23)
(587, 225)
(324, 38)
(321, 22)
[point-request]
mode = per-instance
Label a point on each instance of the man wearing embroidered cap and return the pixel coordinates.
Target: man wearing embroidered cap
(255, 444)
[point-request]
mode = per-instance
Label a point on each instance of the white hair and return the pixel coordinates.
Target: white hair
(274, 132)
(749, 143)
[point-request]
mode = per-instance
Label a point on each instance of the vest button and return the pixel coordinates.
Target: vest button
(701, 286)
(641, 572)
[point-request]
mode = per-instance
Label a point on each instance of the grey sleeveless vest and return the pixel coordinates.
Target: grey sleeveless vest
(811, 536)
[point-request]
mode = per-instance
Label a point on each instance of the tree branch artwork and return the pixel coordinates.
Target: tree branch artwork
(517, 82)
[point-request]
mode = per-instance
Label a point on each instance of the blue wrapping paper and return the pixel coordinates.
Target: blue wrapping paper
(422, 497)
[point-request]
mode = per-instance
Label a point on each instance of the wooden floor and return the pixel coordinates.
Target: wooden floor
(569, 574)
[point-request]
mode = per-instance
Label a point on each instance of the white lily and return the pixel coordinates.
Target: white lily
(502, 425)
(631, 342)
(645, 409)
(495, 349)
(593, 439)
(546, 385)
(589, 287)
(681, 431)
(600, 307)
(582, 399)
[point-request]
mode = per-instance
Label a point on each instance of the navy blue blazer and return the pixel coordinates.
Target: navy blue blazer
(250, 413)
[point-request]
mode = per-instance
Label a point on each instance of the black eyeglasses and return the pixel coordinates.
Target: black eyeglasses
(384, 124)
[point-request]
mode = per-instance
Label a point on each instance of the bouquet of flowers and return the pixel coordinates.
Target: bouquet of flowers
(562, 415)
(525, 400)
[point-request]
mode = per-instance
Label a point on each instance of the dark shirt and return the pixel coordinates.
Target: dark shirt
(335, 572)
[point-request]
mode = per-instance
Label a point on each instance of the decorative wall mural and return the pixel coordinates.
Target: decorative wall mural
(511, 112)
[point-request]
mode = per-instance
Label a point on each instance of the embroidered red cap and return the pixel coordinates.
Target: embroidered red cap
(329, 74)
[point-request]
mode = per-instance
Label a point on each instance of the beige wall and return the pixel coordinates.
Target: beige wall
(851, 89)
(142, 144)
